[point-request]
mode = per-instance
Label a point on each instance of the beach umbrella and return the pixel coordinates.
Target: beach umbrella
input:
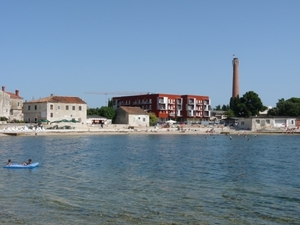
(170, 121)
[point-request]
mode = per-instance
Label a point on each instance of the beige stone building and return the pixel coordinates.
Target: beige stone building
(133, 116)
(55, 108)
(11, 105)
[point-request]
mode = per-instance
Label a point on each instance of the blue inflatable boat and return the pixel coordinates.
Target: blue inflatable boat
(20, 166)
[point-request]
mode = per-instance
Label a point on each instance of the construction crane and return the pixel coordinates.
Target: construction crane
(116, 93)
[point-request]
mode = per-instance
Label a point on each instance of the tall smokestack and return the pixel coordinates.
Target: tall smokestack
(235, 83)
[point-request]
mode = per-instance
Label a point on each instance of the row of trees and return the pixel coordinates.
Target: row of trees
(105, 111)
(251, 105)
(290, 107)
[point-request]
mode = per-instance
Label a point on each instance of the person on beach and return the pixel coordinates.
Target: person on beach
(8, 162)
(27, 163)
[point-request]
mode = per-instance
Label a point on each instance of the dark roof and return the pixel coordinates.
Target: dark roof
(133, 110)
(59, 99)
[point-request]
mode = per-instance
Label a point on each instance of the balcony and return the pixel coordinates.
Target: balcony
(190, 113)
(207, 108)
(163, 100)
(190, 108)
(178, 113)
(206, 102)
(206, 114)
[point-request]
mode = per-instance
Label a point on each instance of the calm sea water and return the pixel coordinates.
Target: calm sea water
(151, 179)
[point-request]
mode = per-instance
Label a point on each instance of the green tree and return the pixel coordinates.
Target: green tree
(229, 113)
(290, 107)
(107, 112)
(234, 105)
(110, 103)
(225, 107)
(248, 105)
(218, 108)
(152, 119)
(93, 111)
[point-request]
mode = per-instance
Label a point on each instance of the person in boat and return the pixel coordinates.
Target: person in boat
(8, 162)
(27, 163)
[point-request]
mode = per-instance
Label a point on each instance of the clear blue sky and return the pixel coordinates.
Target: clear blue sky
(161, 46)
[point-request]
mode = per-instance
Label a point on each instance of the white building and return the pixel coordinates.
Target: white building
(133, 116)
(11, 105)
(4, 104)
(55, 108)
(260, 123)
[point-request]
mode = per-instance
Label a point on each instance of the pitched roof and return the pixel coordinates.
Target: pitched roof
(59, 99)
(133, 110)
(13, 95)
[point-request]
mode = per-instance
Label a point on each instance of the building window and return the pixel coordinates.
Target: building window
(29, 107)
(73, 107)
(80, 108)
(67, 107)
(35, 107)
(242, 123)
(51, 107)
(257, 121)
(58, 107)
(268, 121)
(51, 114)
(144, 119)
(18, 103)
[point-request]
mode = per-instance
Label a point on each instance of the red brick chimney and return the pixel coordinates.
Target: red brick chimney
(17, 92)
(235, 81)
(3, 88)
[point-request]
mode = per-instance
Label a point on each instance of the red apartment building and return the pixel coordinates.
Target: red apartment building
(184, 108)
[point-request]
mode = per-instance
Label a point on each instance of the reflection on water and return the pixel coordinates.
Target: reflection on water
(152, 179)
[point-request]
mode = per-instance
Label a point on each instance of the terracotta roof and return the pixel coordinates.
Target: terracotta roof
(59, 99)
(133, 110)
(13, 95)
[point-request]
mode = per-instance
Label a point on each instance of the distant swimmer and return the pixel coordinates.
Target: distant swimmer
(8, 162)
(230, 138)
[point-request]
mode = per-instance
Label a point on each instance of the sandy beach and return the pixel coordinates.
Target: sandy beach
(123, 130)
